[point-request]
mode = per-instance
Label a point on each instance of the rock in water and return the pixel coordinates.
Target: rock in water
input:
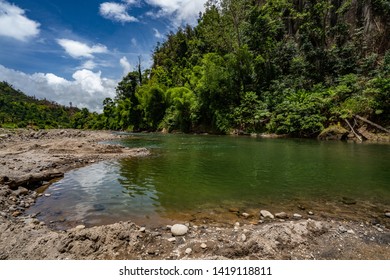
(348, 201)
(281, 215)
(266, 214)
(178, 230)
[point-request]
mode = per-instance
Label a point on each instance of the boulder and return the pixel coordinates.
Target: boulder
(266, 214)
(281, 215)
(21, 191)
(179, 229)
(297, 216)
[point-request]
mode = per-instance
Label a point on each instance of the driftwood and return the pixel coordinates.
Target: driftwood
(371, 123)
(353, 131)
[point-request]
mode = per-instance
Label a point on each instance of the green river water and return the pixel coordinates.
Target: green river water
(200, 178)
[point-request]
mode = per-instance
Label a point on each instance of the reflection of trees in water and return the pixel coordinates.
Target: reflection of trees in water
(137, 184)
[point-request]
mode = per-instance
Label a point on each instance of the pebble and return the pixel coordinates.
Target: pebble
(342, 229)
(47, 194)
(281, 215)
(379, 229)
(188, 251)
(245, 215)
(266, 214)
(310, 213)
(203, 245)
(16, 213)
(179, 229)
(297, 216)
(387, 215)
(80, 227)
(142, 229)
(243, 237)
(21, 191)
(172, 239)
(351, 231)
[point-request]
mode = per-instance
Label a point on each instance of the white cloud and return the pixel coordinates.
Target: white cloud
(14, 23)
(77, 49)
(157, 34)
(89, 81)
(125, 65)
(132, 2)
(116, 12)
(87, 89)
(89, 64)
(180, 11)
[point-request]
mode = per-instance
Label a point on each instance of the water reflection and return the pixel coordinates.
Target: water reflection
(191, 174)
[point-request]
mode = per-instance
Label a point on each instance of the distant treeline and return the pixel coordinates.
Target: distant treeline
(18, 110)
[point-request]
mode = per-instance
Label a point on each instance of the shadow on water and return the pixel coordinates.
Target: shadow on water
(198, 178)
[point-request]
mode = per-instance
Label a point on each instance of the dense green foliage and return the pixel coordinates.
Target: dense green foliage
(20, 110)
(280, 66)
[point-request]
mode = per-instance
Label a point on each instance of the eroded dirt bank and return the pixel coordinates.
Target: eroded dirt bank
(29, 159)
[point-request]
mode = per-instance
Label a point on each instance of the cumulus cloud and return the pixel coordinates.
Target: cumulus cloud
(15, 24)
(117, 12)
(87, 89)
(77, 49)
(179, 11)
(125, 65)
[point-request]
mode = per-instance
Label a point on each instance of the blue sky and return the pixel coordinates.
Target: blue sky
(77, 51)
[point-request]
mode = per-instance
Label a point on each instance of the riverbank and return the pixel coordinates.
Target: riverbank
(30, 159)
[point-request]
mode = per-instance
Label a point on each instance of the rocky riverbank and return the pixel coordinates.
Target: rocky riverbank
(31, 159)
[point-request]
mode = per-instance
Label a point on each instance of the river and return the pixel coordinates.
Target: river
(208, 178)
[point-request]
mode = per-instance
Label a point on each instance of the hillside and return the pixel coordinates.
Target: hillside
(20, 110)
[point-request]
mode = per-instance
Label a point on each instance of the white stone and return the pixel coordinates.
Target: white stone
(266, 214)
(79, 227)
(297, 216)
(387, 215)
(245, 215)
(179, 229)
(47, 194)
(173, 239)
(342, 229)
(243, 237)
(142, 229)
(188, 251)
(281, 215)
(203, 245)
